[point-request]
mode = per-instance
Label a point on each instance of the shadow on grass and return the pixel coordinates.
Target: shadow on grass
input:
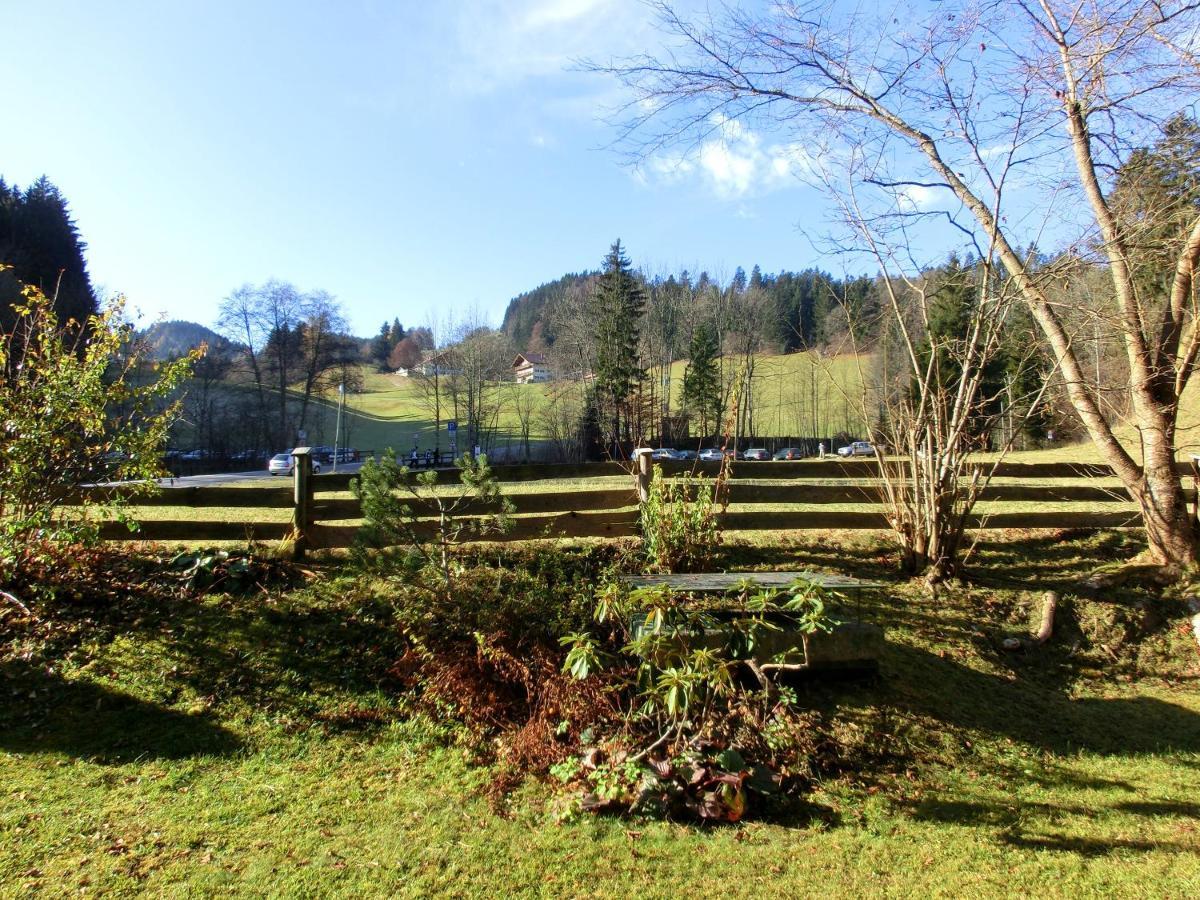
(1093, 846)
(43, 713)
(1055, 561)
(957, 695)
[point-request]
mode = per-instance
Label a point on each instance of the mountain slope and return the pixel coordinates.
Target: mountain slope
(175, 338)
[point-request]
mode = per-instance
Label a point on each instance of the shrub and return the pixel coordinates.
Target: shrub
(476, 508)
(694, 739)
(680, 522)
(79, 403)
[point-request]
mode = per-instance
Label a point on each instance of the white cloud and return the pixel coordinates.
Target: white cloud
(556, 12)
(916, 198)
(503, 42)
(735, 162)
(670, 168)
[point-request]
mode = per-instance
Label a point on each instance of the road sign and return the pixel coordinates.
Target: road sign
(452, 427)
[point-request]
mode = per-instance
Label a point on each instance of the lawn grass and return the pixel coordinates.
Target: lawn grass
(258, 746)
(390, 411)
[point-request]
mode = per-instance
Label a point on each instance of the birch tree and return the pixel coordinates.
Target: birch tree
(1010, 121)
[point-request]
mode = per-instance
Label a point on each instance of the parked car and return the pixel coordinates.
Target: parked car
(713, 454)
(347, 454)
(758, 454)
(285, 464)
(789, 453)
(686, 454)
(664, 453)
(858, 448)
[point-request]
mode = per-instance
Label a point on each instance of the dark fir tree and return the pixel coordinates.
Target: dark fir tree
(702, 379)
(617, 306)
(39, 241)
(952, 310)
(382, 346)
(1155, 198)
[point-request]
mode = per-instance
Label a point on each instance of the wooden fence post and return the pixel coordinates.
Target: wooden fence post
(642, 474)
(302, 510)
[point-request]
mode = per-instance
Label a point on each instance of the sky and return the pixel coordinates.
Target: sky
(411, 158)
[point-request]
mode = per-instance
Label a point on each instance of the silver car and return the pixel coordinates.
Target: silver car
(285, 464)
(858, 448)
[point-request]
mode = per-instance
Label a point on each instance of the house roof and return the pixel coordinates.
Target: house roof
(533, 359)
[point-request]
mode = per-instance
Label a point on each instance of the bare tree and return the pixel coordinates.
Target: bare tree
(240, 321)
(1018, 117)
(752, 320)
(523, 401)
(560, 418)
(290, 339)
(429, 375)
(479, 359)
(321, 347)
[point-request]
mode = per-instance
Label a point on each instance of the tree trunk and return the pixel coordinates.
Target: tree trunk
(1170, 529)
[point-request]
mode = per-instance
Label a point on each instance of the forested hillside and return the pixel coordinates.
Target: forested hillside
(168, 340)
(525, 319)
(805, 304)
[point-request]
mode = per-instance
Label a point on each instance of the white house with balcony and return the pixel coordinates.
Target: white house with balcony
(530, 367)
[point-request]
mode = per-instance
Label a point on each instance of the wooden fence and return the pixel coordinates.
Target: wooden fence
(321, 514)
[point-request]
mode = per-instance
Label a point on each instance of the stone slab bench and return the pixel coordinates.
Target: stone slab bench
(850, 645)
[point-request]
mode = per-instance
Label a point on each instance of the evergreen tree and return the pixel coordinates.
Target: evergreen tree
(951, 313)
(381, 346)
(39, 240)
(702, 378)
(756, 278)
(1155, 198)
(617, 306)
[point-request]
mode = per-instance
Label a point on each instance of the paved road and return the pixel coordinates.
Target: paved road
(255, 475)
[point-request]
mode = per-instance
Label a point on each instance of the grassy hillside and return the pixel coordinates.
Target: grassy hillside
(795, 394)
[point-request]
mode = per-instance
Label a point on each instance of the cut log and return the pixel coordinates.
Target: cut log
(1049, 607)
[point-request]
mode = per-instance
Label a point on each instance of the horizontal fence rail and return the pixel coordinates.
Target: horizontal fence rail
(315, 512)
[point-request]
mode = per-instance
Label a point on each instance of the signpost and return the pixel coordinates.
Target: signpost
(337, 430)
(452, 428)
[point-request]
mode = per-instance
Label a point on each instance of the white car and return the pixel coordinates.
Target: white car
(858, 448)
(664, 453)
(285, 464)
(713, 454)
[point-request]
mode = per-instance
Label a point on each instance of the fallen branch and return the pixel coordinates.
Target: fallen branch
(637, 757)
(1049, 607)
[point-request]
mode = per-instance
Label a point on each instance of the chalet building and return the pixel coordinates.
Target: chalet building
(433, 364)
(530, 367)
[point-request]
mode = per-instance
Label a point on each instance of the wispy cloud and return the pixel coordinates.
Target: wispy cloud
(735, 162)
(502, 42)
(917, 198)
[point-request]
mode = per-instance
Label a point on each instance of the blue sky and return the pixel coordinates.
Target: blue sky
(410, 158)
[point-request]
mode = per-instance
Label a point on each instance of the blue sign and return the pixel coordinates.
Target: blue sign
(452, 427)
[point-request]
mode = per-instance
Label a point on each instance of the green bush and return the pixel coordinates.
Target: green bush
(680, 523)
(79, 403)
(694, 738)
(411, 512)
